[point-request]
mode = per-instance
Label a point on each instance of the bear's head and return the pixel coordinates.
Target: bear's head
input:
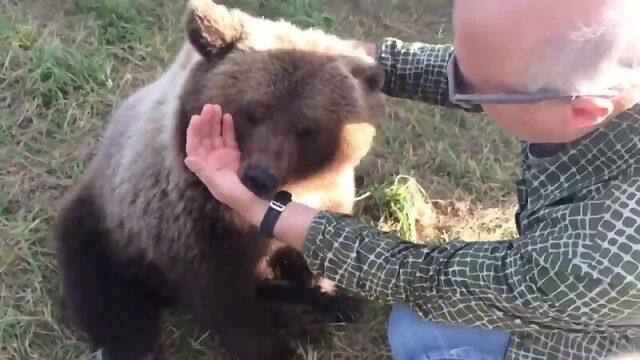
(303, 101)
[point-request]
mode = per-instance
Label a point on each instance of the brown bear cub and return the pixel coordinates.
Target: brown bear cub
(140, 233)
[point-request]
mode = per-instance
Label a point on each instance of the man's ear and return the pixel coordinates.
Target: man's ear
(590, 111)
(213, 29)
(370, 75)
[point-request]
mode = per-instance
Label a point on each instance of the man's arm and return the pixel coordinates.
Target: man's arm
(414, 70)
(552, 278)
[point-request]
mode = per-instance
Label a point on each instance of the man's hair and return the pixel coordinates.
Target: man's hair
(593, 59)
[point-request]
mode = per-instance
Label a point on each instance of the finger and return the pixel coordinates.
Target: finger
(228, 132)
(202, 172)
(193, 136)
(212, 115)
(207, 124)
(200, 168)
(203, 144)
(194, 164)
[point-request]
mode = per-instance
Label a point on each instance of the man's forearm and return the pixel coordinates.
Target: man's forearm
(472, 283)
(465, 282)
(414, 70)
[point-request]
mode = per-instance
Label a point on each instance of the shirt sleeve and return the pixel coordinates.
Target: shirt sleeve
(417, 71)
(551, 278)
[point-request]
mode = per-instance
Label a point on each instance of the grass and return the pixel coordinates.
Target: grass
(434, 174)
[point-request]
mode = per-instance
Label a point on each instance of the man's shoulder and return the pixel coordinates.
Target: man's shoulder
(605, 155)
(591, 231)
(582, 207)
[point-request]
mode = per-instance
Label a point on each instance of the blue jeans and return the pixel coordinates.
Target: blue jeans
(413, 338)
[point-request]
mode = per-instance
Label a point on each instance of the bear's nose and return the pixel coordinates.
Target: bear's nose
(259, 180)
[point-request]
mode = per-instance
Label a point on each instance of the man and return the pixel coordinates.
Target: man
(568, 287)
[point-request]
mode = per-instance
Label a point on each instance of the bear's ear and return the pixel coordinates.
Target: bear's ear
(370, 75)
(213, 29)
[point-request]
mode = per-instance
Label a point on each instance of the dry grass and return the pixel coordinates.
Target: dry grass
(434, 175)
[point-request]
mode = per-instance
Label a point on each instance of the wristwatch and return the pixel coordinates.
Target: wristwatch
(276, 206)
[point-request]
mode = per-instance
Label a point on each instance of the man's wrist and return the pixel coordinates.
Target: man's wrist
(291, 227)
(256, 210)
(251, 207)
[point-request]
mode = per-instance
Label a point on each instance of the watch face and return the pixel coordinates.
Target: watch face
(282, 196)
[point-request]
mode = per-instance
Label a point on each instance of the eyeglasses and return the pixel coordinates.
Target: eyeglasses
(457, 95)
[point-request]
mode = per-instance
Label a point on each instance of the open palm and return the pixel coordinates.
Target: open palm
(212, 152)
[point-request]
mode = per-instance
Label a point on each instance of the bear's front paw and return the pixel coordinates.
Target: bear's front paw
(340, 308)
(276, 347)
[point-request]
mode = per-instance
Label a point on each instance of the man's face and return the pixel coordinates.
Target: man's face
(498, 41)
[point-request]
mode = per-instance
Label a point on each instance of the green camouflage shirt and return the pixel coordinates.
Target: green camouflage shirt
(568, 287)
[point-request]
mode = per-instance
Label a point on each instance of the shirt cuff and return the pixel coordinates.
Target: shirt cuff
(319, 242)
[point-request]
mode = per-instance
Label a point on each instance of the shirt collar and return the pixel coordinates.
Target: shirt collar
(600, 155)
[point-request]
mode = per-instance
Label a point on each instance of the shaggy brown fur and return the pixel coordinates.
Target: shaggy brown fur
(140, 232)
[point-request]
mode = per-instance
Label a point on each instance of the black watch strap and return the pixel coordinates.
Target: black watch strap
(280, 200)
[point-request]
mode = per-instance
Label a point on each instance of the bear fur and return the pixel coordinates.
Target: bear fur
(140, 233)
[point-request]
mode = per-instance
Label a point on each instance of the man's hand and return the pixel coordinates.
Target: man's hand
(213, 155)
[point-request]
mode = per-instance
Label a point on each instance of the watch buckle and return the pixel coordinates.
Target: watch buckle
(276, 205)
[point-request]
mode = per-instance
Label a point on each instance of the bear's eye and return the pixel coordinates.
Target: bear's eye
(306, 134)
(251, 118)
(246, 113)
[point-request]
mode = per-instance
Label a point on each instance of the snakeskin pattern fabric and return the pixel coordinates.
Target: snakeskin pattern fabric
(568, 287)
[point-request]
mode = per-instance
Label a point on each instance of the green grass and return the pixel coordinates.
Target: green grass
(434, 174)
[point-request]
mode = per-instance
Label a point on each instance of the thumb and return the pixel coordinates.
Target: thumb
(194, 164)
(199, 168)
